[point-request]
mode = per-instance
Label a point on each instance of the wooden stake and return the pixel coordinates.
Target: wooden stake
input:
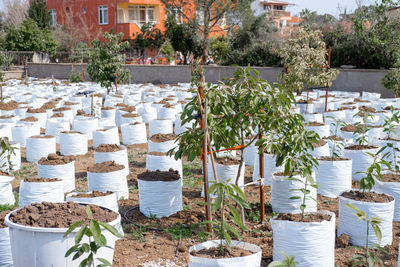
(82, 70)
(262, 193)
(92, 105)
(327, 87)
(116, 83)
(1, 92)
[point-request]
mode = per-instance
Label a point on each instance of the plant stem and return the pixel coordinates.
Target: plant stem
(304, 198)
(366, 245)
(221, 231)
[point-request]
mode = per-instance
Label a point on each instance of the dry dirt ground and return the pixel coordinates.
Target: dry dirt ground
(154, 242)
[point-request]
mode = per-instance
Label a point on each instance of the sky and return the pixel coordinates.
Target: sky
(326, 6)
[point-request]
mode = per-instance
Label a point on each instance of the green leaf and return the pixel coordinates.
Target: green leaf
(96, 232)
(79, 234)
(72, 228)
(111, 229)
(104, 262)
(72, 249)
(89, 212)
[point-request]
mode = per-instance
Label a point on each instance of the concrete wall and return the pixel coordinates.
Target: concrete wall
(355, 80)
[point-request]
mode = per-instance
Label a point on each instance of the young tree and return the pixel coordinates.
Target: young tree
(149, 37)
(204, 15)
(107, 60)
(38, 12)
(305, 61)
(391, 80)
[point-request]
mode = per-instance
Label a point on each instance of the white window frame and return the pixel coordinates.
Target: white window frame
(103, 15)
(135, 11)
(53, 16)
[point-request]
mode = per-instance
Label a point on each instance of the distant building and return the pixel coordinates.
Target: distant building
(276, 10)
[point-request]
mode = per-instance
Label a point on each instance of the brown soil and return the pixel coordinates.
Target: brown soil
(41, 180)
(93, 194)
(303, 101)
(321, 142)
(59, 215)
(57, 115)
(391, 178)
(6, 117)
(2, 173)
(31, 118)
(311, 217)
(361, 100)
(389, 107)
(121, 105)
(227, 161)
(8, 106)
(61, 109)
(367, 196)
(108, 148)
(349, 103)
(157, 153)
(49, 105)
(128, 109)
(182, 102)
(333, 137)
(359, 147)
(332, 159)
(106, 166)
(349, 128)
(314, 123)
(71, 132)
(215, 253)
(279, 174)
(80, 112)
(374, 126)
(346, 108)
(130, 115)
(42, 136)
(54, 159)
(97, 95)
(67, 103)
(159, 138)
(36, 110)
(135, 123)
(168, 106)
(164, 176)
(367, 109)
(3, 214)
(107, 108)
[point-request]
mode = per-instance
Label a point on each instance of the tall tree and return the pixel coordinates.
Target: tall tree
(148, 37)
(15, 11)
(38, 12)
(204, 15)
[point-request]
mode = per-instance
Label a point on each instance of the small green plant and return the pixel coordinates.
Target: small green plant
(336, 146)
(7, 151)
(138, 233)
(288, 262)
(368, 259)
(389, 129)
(373, 172)
(178, 231)
(75, 77)
(97, 240)
(362, 127)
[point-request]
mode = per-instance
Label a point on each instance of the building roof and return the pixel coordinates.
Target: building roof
(266, 2)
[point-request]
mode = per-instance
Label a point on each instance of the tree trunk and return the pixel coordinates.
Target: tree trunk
(204, 56)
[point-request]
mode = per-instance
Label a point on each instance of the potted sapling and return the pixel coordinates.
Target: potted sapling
(375, 204)
(360, 151)
(225, 251)
(334, 173)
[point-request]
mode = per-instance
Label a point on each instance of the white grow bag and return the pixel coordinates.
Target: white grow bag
(134, 134)
(361, 161)
(5, 248)
(322, 131)
(65, 172)
(108, 135)
(251, 154)
(281, 193)
(392, 189)
(42, 117)
(15, 158)
(21, 132)
(110, 201)
(125, 120)
(109, 181)
(163, 163)
(167, 113)
(36, 148)
(39, 246)
(311, 243)
(357, 230)
(73, 144)
(86, 126)
(6, 194)
(253, 260)
(148, 113)
(41, 191)
(54, 127)
(160, 127)
(120, 157)
(321, 151)
(269, 168)
(108, 114)
(314, 117)
(334, 177)
(160, 198)
(162, 146)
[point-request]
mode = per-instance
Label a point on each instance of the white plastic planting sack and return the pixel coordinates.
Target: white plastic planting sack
(269, 168)
(314, 117)
(36, 148)
(375, 134)
(20, 133)
(160, 127)
(41, 191)
(125, 120)
(15, 159)
(160, 198)
(5, 130)
(120, 157)
(134, 134)
(108, 114)
(5, 248)
(86, 126)
(6, 194)
(54, 127)
(162, 146)
(65, 172)
(109, 181)
(322, 131)
(281, 193)
(179, 128)
(251, 154)
(42, 117)
(311, 243)
(73, 144)
(357, 230)
(148, 113)
(253, 260)
(108, 135)
(392, 189)
(34, 127)
(361, 161)
(322, 151)
(333, 177)
(303, 107)
(339, 146)
(110, 201)
(163, 163)
(167, 113)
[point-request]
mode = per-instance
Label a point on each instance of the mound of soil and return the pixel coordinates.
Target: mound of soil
(5, 173)
(59, 215)
(158, 175)
(391, 178)
(121, 105)
(168, 105)
(42, 136)
(349, 128)
(57, 115)
(80, 112)
(107, 108)
(41, 180)
(333, 137)
(303, 101)
(325, 158)
(71, 132)
(61, 109)
(346, 108)
(159, 138)
(67, 103)
(367, 109)
(108, 148)
(54, 159)
(7, 117)
(130, 115)
(375, 126)
(321, 142)
(227, 161)
(50, 105)
(389, 107)
(361, 100)
(314, 123)
(93, 194)
(367, 196)
(11, 105)
(36, 110)
(360, 147)
(311, 217)
(128, 109)
(106, 166)
(31, 118)
(215, 253)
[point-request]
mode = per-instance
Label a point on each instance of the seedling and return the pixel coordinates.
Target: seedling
(8, 151)
(288, 262)
(369, 258)
(362, 127)
(389, 129)
(336, 146)
(373, 172)
(97, 240)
